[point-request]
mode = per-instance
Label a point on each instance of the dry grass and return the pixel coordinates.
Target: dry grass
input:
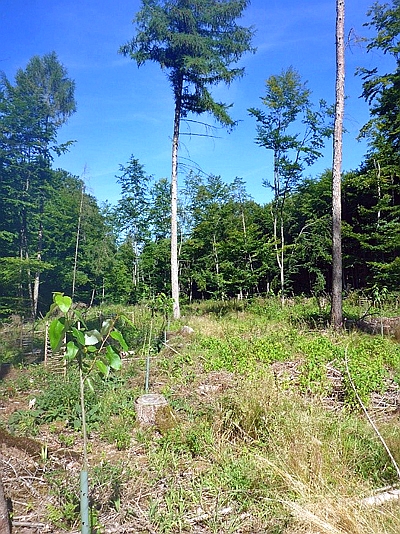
(249, 453)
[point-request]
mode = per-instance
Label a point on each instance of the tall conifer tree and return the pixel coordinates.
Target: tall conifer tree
(198, 42)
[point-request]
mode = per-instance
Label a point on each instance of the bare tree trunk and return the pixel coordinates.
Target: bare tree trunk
(279, 252)
(378, 179)
(249, 255)
(78, 233)
(36, 282)
(174, 206)
(281, 264)
(337, 284)
(135, 273)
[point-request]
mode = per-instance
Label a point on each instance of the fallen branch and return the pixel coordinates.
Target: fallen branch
(28, 524)
(379, 498)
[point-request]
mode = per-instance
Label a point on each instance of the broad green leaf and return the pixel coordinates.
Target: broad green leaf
(63, 302)
(102, 367)
(115, 334)
(72, 351)
(92, 337)
(113, 358)
(56, 333)
(78, 335)
(91, 348)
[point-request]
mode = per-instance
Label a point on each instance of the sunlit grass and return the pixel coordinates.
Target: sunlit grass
(250, 449)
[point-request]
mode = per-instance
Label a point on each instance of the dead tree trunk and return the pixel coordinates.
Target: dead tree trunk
(337, 285)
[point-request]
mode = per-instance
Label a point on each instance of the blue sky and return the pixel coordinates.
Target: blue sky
(123, 110)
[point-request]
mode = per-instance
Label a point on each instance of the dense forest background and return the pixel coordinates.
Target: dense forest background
(55, 237)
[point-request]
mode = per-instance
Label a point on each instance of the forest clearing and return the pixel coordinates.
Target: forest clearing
(265, 430)
(223, 365)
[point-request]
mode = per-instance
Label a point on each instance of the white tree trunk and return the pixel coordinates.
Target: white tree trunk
(174, 215)
(336, 310)
(36, 282)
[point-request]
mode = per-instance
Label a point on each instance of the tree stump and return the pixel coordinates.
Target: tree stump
(4, 517)
(147, 407)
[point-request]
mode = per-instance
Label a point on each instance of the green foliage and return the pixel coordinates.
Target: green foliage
(89, 348)
(368, 360)
(287, 101)
(194, 440)
(318, 351)
(59, 400)
(188, 39)
(64, 511)
(261, 437)
(236, 354)
(31, 112)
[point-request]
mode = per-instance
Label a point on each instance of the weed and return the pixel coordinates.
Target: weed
(24, 422)
(365, 363)
(247, 456)
(63, 511)
(318, 351)
(107, 480)
(193, 440)
(118, 430)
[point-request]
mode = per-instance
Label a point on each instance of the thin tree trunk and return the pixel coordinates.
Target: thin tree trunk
(282, 264)
(337, 284)
(24, 255)
(378, 178)
(249, 255)
(36, 282)
(279, 253)
(276, 211)
(174, 206)
(78, 232)
(24, 249)
(135, 274)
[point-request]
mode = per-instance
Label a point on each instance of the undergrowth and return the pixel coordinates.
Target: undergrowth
(254, 445)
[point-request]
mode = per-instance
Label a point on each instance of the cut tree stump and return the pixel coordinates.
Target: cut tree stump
(4, 517)
(147, 406)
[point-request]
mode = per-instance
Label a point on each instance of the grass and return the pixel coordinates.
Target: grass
(254, 445)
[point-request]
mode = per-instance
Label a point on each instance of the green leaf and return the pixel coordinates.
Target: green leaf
(72, 351)
(63, 302)
(113, 358)
(115, 334)
(92, 337)
(78, 335)
(56, 333)
(102, 367)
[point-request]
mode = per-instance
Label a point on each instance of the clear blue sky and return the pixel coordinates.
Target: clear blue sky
(123, 110)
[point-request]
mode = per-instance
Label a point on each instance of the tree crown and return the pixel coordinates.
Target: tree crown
(197, 41)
